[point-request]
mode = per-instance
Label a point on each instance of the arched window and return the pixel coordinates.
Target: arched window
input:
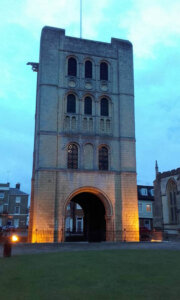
(103, 71)
(88, 106)
(71, 103)
(88, 69)
(72, 66)
(171, 193)
(104, 107)
(103, 158)
(72, 156)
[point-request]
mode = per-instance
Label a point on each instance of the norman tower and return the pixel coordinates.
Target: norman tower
(84, 149)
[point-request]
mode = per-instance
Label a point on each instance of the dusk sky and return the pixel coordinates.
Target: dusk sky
(154, 29)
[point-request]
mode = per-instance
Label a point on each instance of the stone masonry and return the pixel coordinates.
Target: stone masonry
(53, 184)
(167, 202)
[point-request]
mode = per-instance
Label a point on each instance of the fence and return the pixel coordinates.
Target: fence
(50, 236)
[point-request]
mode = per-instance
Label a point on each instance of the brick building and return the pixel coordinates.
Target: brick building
(84, 149)
(13, 206)
(145, 205)
(74, 223)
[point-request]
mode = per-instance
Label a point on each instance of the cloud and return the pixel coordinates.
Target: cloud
(152, 23)
(153, 27)
(34, 14)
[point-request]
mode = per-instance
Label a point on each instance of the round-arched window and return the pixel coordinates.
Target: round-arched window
(104, 107)
(71, 103)
(103, 71)
(72, 67)
(103, 158)
(88, 69)
(72, 162)
(88, 106)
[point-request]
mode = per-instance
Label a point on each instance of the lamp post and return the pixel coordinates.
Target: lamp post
(8, 241)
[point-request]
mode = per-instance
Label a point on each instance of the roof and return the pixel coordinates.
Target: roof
(14, 191)
(145, 186)
(149, 196)
(168, 173)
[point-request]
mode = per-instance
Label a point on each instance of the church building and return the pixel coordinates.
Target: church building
(167, 203)
(84, 145)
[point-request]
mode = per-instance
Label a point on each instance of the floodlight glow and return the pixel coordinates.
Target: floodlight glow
(14, 238)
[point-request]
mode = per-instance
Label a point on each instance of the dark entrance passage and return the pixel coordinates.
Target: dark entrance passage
(94, 224)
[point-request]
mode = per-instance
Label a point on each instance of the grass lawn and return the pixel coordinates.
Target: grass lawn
(114, 274)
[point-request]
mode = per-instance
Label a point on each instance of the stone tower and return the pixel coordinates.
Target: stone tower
(84, 148)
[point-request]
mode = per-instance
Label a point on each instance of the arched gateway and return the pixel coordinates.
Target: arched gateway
(94, 210)
(84, 148)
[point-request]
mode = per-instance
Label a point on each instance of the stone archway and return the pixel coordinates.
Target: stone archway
(97, 215)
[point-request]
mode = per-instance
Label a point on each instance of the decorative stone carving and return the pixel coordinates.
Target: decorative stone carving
(104, 87)
(88, 85)
(72, 83)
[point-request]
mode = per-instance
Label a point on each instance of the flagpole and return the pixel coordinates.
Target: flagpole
(81, 19)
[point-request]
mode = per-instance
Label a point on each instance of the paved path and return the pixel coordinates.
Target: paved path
(19, 249)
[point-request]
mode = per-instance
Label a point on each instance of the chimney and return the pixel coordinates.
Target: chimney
(18, 186)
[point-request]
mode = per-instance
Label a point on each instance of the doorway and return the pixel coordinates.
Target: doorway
(85, 219)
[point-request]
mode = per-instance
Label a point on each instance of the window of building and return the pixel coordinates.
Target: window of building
(103, 71)
(5, 209)
(1, 208)
(103, 158)
(69, 224)
(18, 199)
(72, 66)
(144, 192)
(140, 207)
(79, 224)
(88, 106)
(147, 224)
(173, 206)
(9, 222)
(148, 207)
(171, 193)
(17, 209)
(68, 206)
(88, 69)
(0, 222)
(71, 103)
(152, 192)
(72, 156)
(104, 107)
(16, 223)
(78, 206)
(1, 195)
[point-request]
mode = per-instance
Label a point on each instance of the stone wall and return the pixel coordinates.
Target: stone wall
(53, 183)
